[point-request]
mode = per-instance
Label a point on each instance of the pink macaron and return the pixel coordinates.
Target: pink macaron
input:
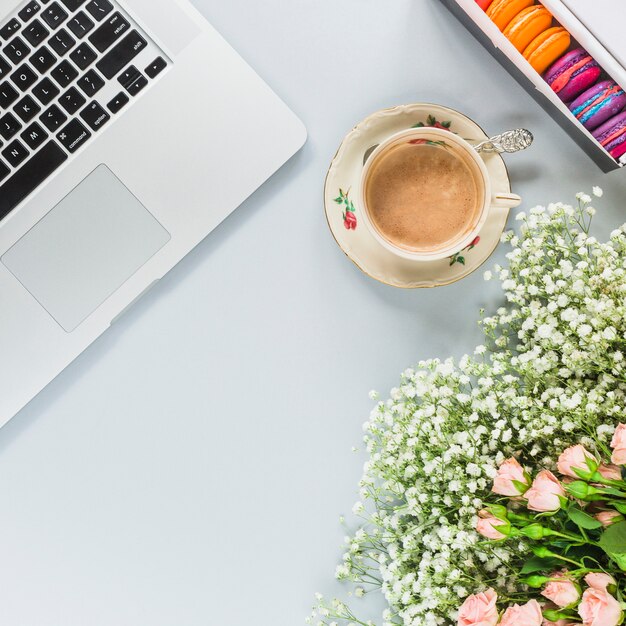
(612, 135)
(596, 105)
(572, 74)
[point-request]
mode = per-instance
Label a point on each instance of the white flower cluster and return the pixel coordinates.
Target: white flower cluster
(552, 373)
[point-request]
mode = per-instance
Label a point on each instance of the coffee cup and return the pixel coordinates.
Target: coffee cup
(426, 194)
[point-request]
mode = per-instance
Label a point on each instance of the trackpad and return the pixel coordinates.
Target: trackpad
(85, 248)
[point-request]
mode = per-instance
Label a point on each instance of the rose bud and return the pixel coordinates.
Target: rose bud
(577, 462)
(479, 610)
(511, 479)
(607, 518)
(528, 614)
(562, 591)
(599, 580)
(492, 527)
(545, 494)
(610, 472)
(599, 608)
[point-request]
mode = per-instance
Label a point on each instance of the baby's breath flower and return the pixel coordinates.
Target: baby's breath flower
(551, 373)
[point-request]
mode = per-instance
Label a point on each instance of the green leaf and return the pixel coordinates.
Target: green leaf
(613, 539)
(620, 559)
(446, 124)
(620, 506)
(418, 125)
(582, 519)
(536, 564)
(338, 200)
(461, 260)
(431, 120)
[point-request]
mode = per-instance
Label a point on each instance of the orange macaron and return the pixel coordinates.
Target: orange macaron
(545, 49)
(501, 12)
(526, 26)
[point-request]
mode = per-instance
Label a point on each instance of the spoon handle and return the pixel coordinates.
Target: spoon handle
(509, 141)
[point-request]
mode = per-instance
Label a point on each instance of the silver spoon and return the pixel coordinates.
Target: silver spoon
(509, 141)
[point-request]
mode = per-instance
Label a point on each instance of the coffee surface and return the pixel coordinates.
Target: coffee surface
(422, 197)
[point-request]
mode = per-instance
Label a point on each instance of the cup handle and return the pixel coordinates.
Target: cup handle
(506, 200)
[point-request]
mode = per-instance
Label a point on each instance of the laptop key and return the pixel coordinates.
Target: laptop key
(118, 103)
(72, 100)
(99, 8)
(35, 33)
(81, 24)
(4, 171)
(109, 32)
(64, 73)
(91, 83)
(9, 29)
(16, 50)
(73, 136)
(9, 126)
(30, 176)
(95, 115)
(156, 67)
(137, 85)
(83, 56)
(72, 5)
(54, 15)
(42, 60)
(8, 95)
(122, 54)
(46, 91)
(53, 118)
(29, 11)
(15, 153)
(27, 108)
(24, 77)
(34, 136)
(61, 42)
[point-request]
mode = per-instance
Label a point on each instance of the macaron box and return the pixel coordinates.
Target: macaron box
(561, 63)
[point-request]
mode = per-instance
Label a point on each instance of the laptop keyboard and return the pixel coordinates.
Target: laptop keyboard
(67, 68)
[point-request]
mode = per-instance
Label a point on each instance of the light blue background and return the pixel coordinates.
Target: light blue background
(190, 468)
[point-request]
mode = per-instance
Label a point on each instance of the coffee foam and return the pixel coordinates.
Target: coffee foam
(423, 197)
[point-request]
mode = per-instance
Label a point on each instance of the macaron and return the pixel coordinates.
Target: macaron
(596, 105)
(612, 135)
(546, 48)
(572, 74)
(484, 4)
(501, 12)
(527, 25)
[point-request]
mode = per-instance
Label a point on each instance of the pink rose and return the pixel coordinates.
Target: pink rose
(606, 518)
(575, 457)
(488, 525)
(560, 590)
(544, 493)
(598, 580)
(479, 610)
(349, 220)
(599, 608)
(618, 443)
(610, 472)
(508, 472)
(528, 614)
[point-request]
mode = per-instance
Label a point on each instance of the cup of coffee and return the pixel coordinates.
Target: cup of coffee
(426, 194)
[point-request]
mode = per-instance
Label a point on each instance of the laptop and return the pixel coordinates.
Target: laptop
(129, 129)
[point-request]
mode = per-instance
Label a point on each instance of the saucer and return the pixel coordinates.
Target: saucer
(344, 214)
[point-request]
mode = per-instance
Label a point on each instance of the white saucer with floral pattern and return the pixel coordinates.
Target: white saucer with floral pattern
(343, 213)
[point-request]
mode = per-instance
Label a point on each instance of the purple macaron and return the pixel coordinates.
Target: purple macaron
(574, 72)
(612, 135)
(598, 104)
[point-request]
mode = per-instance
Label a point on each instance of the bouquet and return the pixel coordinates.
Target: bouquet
(576, 534)
(550, 375)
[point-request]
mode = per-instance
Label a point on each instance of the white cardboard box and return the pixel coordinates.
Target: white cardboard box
(608, 52)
